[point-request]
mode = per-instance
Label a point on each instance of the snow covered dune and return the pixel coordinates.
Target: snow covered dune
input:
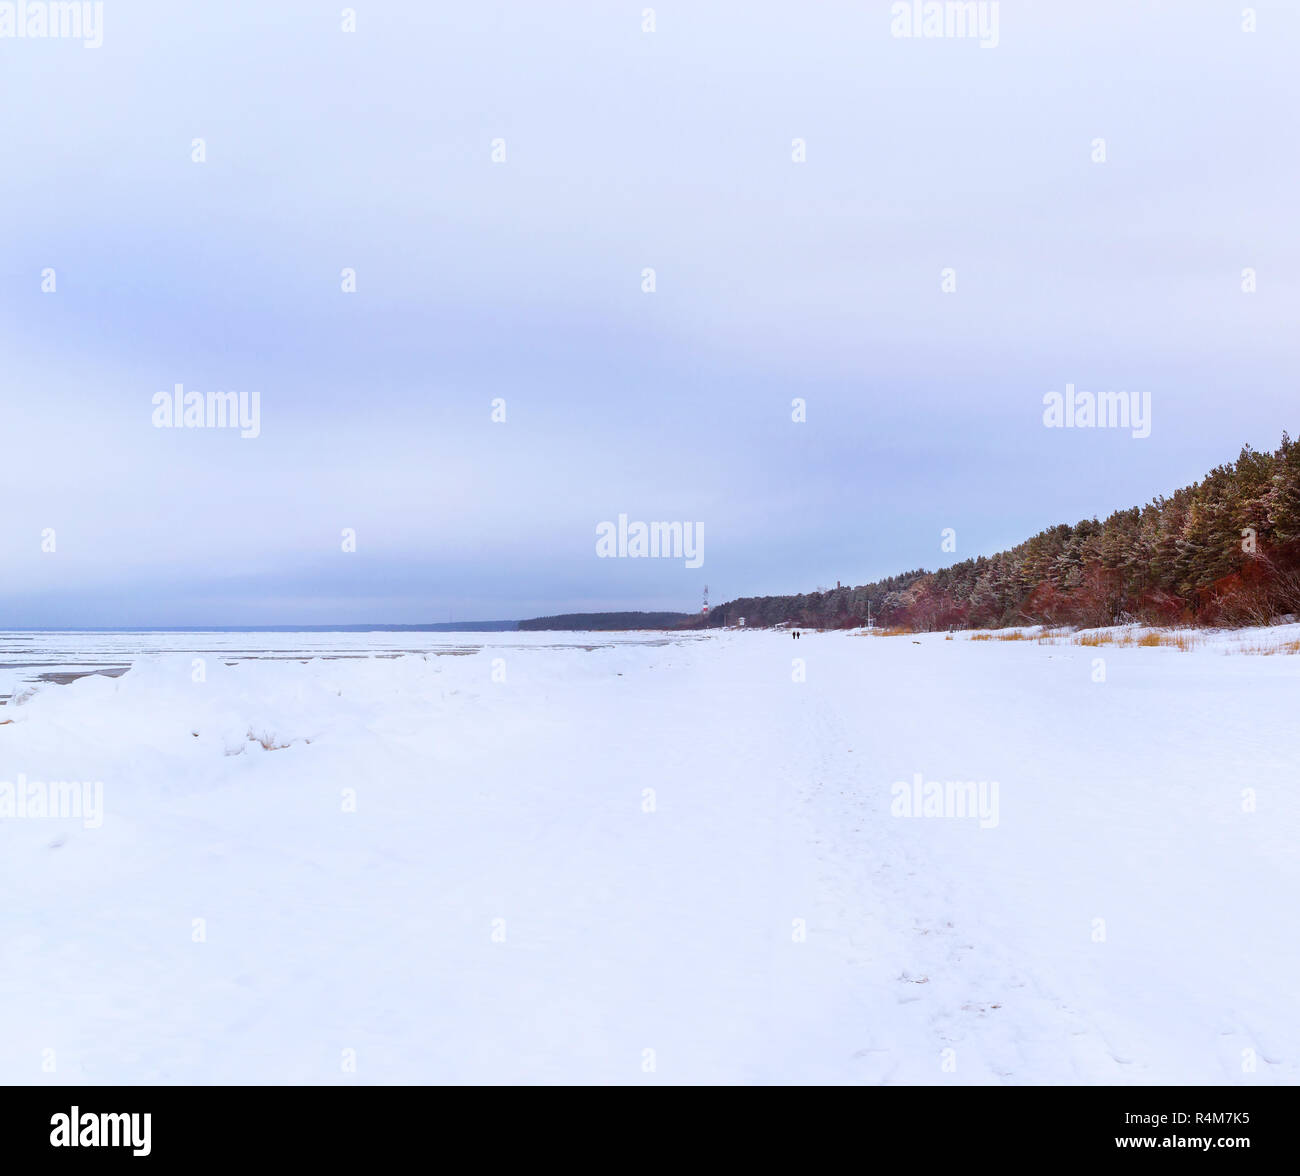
(733, 858)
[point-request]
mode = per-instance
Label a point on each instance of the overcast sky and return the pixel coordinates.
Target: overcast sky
(522, 280)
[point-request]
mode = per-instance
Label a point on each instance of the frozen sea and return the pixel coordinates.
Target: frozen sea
(29, 658)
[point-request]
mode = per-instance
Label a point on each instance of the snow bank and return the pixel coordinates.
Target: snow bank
(652, 863)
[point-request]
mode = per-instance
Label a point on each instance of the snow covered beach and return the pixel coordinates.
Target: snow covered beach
(638, 859)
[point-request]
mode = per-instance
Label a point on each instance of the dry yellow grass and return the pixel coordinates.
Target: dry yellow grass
(1149, 640)
(1266, 650)
(267, 739)
(1182, 640)
(1123, 639)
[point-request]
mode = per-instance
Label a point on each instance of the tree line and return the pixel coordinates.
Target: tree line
(1223, 551)
(606, 622)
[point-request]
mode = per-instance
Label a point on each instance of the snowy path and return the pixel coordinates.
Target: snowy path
(502, 907)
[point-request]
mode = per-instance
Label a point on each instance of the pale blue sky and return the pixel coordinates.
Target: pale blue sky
(521, 280)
